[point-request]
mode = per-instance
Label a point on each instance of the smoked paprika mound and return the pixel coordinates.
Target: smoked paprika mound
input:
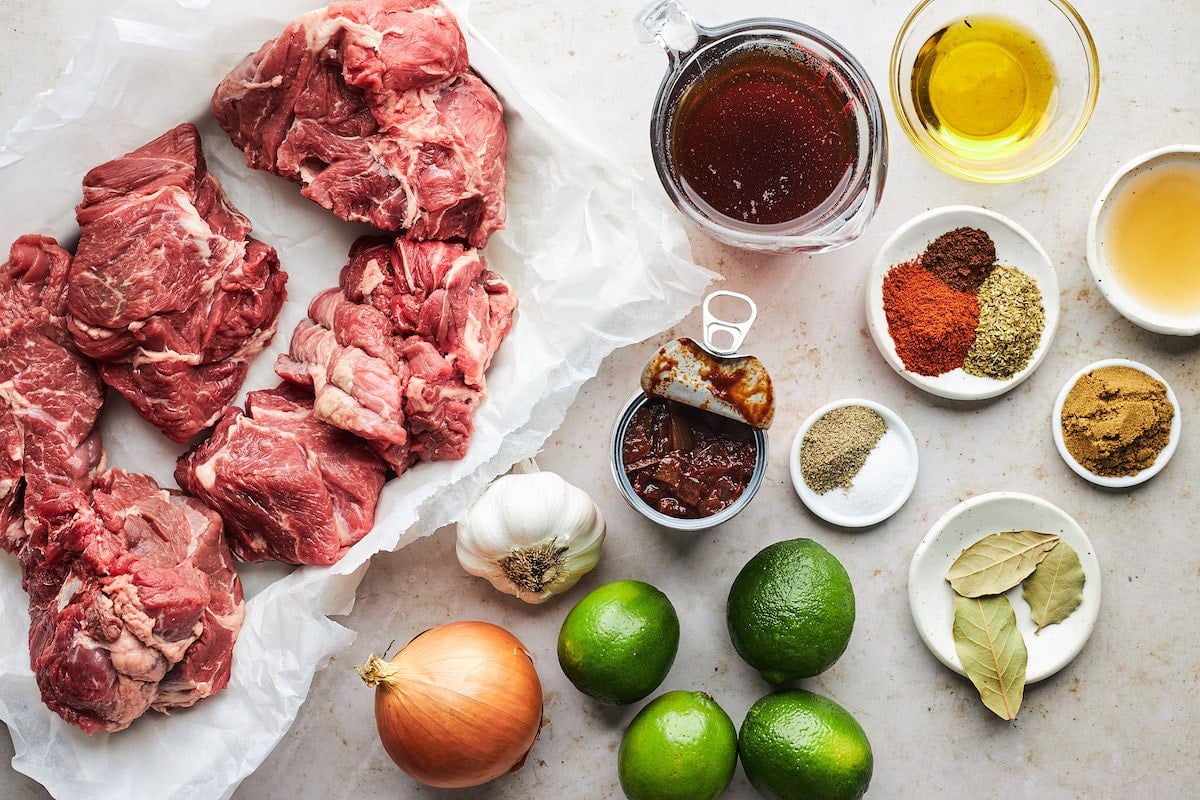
(932, 325)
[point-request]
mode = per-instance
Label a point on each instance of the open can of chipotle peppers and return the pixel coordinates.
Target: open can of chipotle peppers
(689, 450)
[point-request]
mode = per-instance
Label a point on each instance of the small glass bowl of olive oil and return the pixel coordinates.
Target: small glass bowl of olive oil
(994, 94)
(1144, 240)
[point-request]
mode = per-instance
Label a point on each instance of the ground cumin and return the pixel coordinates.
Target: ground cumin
(1116, 420)
(931, 324)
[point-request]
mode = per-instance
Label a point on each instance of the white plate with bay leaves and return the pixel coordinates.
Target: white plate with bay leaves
(1011, 561)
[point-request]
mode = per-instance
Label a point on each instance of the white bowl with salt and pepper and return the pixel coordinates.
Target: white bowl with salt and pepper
(878, 488)
(1015, 247)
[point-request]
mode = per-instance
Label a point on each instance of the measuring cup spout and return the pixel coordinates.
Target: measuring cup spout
(668, 23)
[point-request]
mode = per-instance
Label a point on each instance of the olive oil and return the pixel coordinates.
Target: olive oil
(1152, 237)
(984, 86)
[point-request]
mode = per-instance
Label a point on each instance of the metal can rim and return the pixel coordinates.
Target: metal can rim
(616, 461)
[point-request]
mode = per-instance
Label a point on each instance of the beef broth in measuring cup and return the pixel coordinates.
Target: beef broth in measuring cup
(765, 132)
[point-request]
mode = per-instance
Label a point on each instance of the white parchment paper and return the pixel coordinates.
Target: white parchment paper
(597, 264)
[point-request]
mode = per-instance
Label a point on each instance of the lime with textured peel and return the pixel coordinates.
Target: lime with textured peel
(796, 745)
(618, 642)
(681, 746)
(790, 610)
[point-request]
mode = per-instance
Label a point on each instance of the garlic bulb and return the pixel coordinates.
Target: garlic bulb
(531, 534)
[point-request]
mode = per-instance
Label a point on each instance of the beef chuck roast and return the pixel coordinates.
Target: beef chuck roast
(397, 355)
(50, 396)
(372, 108)
(148, 607)
(388, 368)
(167, 292)
(290, 487)
(133, 599)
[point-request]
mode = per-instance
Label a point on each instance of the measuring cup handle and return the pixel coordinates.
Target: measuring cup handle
(668, 23)
(735, 330)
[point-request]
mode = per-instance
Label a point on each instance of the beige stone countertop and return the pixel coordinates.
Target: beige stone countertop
(1117, 722)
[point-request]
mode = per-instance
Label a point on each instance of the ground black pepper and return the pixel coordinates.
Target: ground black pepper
(836, 447)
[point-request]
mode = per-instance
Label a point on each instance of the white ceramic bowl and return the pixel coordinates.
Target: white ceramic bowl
(823, 505)
(1014, 247)
(1127, 480)
(932, 600)
(1129, 306)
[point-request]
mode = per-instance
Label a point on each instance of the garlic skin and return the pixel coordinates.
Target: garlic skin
(532, 534)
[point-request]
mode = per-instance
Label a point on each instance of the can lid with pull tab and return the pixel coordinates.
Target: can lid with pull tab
(712, 375)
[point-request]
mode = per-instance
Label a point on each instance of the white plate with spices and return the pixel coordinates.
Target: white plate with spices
(1116, 481)
(932, 600)
(1015, 248)
(878, 488)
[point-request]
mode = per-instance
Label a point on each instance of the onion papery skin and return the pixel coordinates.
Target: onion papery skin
(459, 705)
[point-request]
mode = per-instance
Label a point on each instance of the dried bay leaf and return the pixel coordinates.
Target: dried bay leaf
(1055, 588)
(998, 562)
(992, 651)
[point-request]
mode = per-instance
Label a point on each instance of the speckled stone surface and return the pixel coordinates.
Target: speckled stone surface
(1118, 722)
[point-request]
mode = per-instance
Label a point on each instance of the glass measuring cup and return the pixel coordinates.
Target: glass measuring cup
(806, 181)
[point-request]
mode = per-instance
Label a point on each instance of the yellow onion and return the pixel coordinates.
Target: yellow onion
(459, 705)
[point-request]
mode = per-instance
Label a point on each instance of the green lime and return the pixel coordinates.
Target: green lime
(790, 610)
(796, 745)
(618, 643)
(681, 746)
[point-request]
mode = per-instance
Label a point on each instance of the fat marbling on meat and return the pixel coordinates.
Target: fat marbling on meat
(371, 106)
(398, 353)
(133, 599)
(290, 487)
(167, 291)
(386, 370)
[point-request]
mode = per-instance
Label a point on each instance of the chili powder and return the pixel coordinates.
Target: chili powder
(932, 325)
(962, 258)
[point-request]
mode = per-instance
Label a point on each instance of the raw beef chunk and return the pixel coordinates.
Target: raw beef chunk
(143, 606)
(397, 355)
(50, 396)
(133, 600)
(289, 486)
(167, 292)
(372, 108)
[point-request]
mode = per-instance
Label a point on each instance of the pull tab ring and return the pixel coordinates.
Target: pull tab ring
(735, 331)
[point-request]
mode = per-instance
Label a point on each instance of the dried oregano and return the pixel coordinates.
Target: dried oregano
(1011, 321)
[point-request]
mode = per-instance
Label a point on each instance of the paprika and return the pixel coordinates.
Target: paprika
(931, 324)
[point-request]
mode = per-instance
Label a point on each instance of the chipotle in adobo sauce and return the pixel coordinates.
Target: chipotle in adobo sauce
(685, 462)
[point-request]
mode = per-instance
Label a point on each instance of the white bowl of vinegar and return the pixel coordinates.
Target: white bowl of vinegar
(1144, 240)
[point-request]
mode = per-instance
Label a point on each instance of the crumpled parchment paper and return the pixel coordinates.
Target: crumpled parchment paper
(597, 264)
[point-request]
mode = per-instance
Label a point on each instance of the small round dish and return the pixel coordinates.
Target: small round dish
(1134, 308)
(879, 489)
(932, 600)
(1067, 43)
(1014, 247)
(1124, 481)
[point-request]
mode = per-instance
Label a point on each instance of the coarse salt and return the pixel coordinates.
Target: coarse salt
(882, 478)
